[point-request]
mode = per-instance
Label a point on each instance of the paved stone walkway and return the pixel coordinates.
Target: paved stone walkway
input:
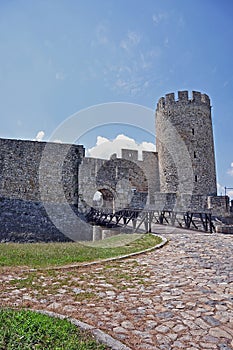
(177, 297)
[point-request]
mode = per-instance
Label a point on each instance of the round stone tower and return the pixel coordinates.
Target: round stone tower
(184, 141)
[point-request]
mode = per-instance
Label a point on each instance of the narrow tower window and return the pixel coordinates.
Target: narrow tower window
(194, 154)
(195, 178)
(193, 131)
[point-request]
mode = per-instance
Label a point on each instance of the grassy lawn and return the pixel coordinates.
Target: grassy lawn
(57, 254)
(24, 330)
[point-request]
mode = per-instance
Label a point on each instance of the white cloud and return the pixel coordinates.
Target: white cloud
(230, 171)
(157, 18)
(132, 74)
(145, 64)
(131, 86)
(166, 42)
(60, 76)
(181, 21)
(39, 136)
(220, 190)
(101, 34)
(132, 39)
(104, 147)
(100, 140)
(129, 72)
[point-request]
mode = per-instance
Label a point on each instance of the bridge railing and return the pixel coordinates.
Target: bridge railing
(141, 219)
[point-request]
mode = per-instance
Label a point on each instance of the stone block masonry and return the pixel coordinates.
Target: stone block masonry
(33, 173)
(27, 170)
(184, 141)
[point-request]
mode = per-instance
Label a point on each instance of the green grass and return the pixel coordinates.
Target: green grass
(57, 254)
(118, 240)
(27, 330)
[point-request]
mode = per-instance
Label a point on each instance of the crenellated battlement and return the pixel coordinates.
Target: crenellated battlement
(183, 98)
(133, 155)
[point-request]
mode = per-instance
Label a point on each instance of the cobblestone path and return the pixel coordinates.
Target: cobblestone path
(177, 297)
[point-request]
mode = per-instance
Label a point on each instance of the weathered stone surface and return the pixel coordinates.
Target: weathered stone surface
(35, 175)
(219, 333)
(127, 181)
(162, 329)
(127, 325)
(184, 139)
(119, 330)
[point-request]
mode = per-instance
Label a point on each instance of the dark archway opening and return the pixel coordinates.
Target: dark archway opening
(103, 198)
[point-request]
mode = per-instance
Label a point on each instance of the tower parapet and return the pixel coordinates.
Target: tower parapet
(169, 101)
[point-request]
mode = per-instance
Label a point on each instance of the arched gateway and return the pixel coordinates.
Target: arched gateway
(120, 183)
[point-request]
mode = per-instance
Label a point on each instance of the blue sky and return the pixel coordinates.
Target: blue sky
(59, 57)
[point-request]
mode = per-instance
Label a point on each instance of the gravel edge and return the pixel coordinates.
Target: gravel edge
(99, 335)
(96, 262)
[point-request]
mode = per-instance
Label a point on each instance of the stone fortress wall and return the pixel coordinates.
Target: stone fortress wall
(22, 162)
(39, 177)
(28, 173)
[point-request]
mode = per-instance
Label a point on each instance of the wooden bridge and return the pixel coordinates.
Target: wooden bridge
(141, 220)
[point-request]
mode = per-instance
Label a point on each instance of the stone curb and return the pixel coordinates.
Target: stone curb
(96, 262)
(99, 335)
